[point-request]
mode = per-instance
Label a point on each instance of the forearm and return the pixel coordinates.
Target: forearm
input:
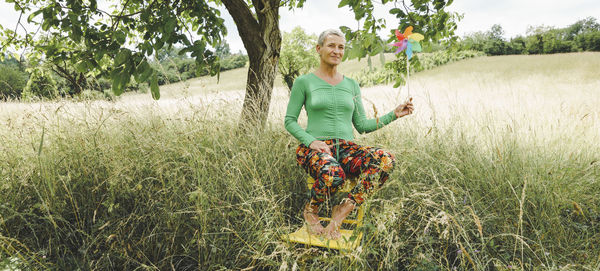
(364, 125)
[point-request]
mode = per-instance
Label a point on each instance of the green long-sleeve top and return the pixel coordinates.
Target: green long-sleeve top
(331, 110)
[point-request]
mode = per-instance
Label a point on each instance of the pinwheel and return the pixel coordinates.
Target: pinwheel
(408, 41)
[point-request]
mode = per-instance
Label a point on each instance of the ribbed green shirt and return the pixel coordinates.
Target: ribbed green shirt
(331, 110)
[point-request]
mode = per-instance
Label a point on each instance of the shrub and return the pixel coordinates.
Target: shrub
(173, 67)
(375, 76)
(589, 41)
(394, 71)
(12, 82)
(233, 62)
(40, 85)
(297, 55)
(584, 35)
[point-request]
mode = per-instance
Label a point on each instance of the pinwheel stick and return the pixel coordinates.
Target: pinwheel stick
(408, 77)
(408, 41)
(407, 81)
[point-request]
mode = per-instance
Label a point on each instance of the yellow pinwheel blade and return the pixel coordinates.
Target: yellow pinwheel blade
(416, 36)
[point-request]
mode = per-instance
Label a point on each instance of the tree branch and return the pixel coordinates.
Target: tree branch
(247, 25)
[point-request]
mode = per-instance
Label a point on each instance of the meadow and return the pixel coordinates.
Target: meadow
(497, 169)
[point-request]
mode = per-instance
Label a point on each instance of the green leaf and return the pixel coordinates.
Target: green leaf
(124, 80)
(343, 3)
(147, 48)
(143, 72)
(33, 15)
(154, 87)
(77, 34)
(120, 36)
(117, 86)
(46, 25)
(82, 66)
(169, 25)
(122, 57)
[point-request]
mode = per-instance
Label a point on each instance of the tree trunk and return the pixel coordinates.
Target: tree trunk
(262, 40)
(77, 84)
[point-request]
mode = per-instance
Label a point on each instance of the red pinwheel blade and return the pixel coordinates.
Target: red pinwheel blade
(399, 36)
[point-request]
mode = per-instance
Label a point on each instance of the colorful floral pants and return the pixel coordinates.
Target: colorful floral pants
(370, 165)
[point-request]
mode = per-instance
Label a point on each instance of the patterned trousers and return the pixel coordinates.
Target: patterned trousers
(370, 165)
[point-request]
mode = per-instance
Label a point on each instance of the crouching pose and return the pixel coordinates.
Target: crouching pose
(327, 152)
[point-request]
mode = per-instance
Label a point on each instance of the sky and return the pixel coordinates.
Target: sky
(479, 15)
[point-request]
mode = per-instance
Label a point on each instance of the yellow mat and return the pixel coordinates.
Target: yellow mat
(345, 242)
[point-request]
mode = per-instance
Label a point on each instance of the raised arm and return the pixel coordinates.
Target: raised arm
(359, 118)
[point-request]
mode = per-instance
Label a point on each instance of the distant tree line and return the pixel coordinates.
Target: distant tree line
(584, 35)
(34, 79)
(174, 67)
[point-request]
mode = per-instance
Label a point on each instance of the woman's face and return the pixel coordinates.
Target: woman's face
(332, 50)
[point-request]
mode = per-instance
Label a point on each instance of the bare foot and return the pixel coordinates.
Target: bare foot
(312, 220)
(340, 212)
(332, 231)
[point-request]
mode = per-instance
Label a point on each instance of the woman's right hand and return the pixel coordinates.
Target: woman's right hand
(404, 109)
(320, 146)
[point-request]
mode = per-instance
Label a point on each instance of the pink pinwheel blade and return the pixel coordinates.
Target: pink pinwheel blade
(401, 46)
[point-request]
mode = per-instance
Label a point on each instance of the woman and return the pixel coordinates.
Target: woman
(333, 105)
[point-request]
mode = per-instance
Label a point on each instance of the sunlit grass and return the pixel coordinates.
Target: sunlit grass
(498, 168)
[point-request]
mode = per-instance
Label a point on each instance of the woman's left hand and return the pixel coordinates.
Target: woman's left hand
(404, 109)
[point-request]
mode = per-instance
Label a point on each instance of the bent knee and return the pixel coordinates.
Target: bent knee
(387, 161)
(334, 171)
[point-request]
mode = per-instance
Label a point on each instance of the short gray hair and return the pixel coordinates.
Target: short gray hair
(328, 32)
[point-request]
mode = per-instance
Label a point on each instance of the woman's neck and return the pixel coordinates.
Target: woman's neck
(327, 70)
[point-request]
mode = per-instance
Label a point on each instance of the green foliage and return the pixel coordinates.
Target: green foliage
(41, 85)
(375, 76)
(395, 71)
(583, 35)
(589, 41)
(93, 95)
(12, 80)
(222, 50)
(115, 43)
(428, 61)
(297, 55)
(234, 61)
(428, 17)
(173, 65)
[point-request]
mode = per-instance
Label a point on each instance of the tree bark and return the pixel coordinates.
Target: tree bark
(261, 36)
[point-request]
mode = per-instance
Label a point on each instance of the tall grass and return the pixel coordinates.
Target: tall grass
(481, 181)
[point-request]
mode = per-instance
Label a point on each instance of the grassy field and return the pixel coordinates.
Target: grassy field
(497, 169)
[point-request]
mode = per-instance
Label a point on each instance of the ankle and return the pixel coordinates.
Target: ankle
(310, 209)
(347, 205)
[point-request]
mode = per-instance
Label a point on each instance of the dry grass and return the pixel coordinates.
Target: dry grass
(498, 168)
